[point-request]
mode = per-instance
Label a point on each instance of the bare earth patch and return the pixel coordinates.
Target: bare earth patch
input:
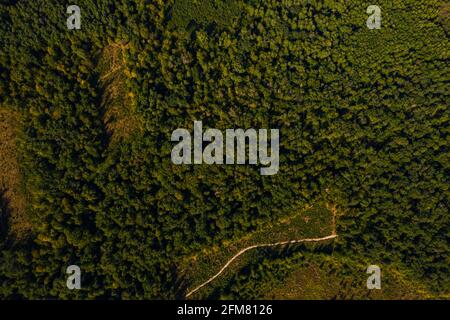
(12, 199)
(117, 102)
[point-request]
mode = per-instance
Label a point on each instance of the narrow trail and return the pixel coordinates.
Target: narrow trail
(332, 236)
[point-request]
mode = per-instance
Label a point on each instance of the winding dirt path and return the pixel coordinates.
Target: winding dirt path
(332, 236)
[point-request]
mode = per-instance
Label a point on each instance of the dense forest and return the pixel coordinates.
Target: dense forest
(363, 116)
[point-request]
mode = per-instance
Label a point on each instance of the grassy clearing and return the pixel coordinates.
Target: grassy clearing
(308, 223)
(117, 102)
(13, 202)
(325, 278)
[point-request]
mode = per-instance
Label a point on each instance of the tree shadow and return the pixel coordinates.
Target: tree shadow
(181, 284)
(5, 213)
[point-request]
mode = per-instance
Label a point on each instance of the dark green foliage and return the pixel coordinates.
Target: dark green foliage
(190, 14)
(363, 116)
